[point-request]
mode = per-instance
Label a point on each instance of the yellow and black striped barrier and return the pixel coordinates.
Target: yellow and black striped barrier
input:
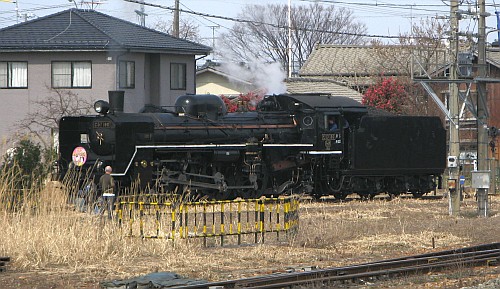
(210, 219)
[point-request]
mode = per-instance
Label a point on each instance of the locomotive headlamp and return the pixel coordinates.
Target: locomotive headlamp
(101, 107)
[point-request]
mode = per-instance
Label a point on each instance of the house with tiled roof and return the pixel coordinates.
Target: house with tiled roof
(88, 53)
(358, 65)
(211, 80)
(304, 85)
(351, 69)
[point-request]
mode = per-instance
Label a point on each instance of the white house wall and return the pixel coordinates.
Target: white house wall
(135, 98)
(167, 95)
(16, 103)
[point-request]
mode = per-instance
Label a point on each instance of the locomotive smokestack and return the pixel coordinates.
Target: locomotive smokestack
(116, 99)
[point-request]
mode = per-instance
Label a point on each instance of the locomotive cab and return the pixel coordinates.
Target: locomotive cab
(332, 128)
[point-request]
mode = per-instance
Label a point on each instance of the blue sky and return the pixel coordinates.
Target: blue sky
(381, 17)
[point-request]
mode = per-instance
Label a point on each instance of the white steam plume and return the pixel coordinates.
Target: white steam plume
(265, 76)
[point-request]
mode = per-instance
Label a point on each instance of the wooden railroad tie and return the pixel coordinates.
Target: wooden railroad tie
(3, 262)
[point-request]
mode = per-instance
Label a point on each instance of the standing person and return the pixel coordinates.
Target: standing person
(107, 185)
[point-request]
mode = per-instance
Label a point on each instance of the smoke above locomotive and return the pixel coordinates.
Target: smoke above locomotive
(288, 144)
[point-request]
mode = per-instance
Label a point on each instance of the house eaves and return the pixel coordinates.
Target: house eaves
(89, 30)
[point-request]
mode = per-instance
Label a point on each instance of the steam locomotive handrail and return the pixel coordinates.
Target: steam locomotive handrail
(137, 147)
(288, 145)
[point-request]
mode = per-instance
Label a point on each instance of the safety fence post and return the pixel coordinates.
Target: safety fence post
(181, 227)
(278, 225)
(221, 223)
(256, 220)
(205, 224)
(186, 221)
(261, 221)
(239, 223)
(157, 220)
(141, 221)
(131, 218)
(172, 229)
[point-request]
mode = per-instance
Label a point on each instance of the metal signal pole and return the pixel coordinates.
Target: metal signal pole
(482, 114)
(453, 102)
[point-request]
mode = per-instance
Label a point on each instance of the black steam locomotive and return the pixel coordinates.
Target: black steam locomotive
(285, 145)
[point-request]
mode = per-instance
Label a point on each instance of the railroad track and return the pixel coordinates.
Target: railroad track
(3, 263)
(488, 254)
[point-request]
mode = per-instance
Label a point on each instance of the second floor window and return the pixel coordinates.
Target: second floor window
(13, 74)
(178, 76)
(71, 74)
(127, 74)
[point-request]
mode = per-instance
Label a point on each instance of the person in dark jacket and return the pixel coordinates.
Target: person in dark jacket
(107, 185)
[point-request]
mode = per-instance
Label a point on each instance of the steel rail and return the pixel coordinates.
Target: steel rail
(465, 257)
(396, 271)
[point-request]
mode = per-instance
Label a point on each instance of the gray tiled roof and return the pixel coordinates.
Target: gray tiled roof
(493, 56)
(77, 29)
(301, 85)
(347, 60)
(357, 64)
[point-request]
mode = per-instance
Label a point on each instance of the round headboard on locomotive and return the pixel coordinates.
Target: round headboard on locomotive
(201, 105)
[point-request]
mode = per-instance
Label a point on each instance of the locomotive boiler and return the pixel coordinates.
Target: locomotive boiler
(285, 145)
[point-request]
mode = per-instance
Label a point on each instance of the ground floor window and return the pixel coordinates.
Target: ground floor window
(13, 74)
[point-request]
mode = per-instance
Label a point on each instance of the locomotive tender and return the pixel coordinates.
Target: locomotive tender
(284, 145)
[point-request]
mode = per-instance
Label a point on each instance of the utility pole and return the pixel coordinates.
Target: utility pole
(289, 50)
(175, 26)
(453, 104)
(17, 11)
(142, 14)
(482, 116)
(213, 38)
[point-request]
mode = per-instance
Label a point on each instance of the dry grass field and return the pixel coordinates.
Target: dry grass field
(54, 246)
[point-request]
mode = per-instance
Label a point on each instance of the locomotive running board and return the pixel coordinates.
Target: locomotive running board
(196, 146)
(321, 152)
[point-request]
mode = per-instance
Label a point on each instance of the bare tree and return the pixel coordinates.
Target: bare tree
(45, 115)
(263, 33)
(188, 30)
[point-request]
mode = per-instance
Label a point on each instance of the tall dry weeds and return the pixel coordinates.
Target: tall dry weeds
(42, 228)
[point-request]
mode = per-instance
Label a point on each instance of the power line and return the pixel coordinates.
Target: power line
(383, 5)
(253, 22)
